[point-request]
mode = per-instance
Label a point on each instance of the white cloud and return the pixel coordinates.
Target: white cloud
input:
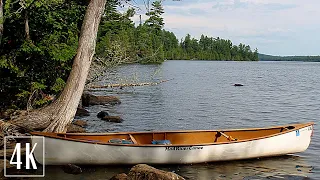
(265, 24)
(260, 23)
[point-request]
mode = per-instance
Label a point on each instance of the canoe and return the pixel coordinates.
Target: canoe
(171, 147)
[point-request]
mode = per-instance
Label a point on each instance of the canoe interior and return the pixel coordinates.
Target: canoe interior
(178, 137)
(181, 138)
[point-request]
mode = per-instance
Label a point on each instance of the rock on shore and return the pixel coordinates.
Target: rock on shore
(146, 172)
(80, 123)
(82, 112)
(103, 115)
(121, 176)
(89, 99)
(72, 128)
(116, 119)
(71, 169)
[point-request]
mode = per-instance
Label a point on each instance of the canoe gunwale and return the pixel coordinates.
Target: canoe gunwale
(60, 136)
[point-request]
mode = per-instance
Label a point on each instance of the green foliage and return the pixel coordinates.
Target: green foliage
(35, 97)
(24, 94)
(4, 63)
(37, 86)
(58, 85)
(47, 57)
(149, 43)
(155, 21)
(208, 48)
(61, 46)
(143, 44)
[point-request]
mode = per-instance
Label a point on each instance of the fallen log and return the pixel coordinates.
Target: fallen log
(129, 84)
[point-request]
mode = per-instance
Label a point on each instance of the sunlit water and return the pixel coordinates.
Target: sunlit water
(201, 95)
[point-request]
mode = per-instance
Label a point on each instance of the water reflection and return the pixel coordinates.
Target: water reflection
(249, 169)
(283, 167)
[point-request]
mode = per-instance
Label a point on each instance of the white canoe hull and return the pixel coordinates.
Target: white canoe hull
(59, 151)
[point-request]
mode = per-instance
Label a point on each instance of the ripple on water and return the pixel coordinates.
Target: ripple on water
(201, 95)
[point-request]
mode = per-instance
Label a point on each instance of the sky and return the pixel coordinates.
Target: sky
(275, 27)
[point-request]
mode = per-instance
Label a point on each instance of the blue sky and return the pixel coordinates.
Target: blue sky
(276, 27)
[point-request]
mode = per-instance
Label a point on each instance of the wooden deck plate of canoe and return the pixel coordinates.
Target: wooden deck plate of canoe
(172, 147)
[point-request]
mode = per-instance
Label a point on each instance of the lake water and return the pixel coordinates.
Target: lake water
(201, 95)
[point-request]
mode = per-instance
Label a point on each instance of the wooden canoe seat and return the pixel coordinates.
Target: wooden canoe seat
(133, 139)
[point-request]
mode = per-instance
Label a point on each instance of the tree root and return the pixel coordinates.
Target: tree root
(8, 129)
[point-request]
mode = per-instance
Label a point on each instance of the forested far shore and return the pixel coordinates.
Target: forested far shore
(264, 57)
(148, 42)
(39, 41)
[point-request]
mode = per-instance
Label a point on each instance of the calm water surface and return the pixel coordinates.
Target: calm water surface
(201, 95)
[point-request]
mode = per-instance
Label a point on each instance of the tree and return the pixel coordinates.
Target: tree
(150, 36)
(25, 7)
(45, 58)
(1, 20)
(155, 20)
(56, 116)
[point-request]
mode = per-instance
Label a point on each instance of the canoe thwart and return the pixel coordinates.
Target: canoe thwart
(219, 133)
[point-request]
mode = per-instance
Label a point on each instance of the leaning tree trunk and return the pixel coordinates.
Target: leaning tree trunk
(1, 20)
(57, 116)
(26, 25)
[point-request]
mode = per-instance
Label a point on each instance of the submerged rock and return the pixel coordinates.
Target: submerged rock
(102, 114)
(116, 119)
(72, 128)
(71, 169)
(11, 169)
(80, 123)
(144, 171)
(121, 176)
(238, 84)
(89, 99)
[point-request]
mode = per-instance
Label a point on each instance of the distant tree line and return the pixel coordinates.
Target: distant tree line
(150, 43)
(208, 48)
(264, 57)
